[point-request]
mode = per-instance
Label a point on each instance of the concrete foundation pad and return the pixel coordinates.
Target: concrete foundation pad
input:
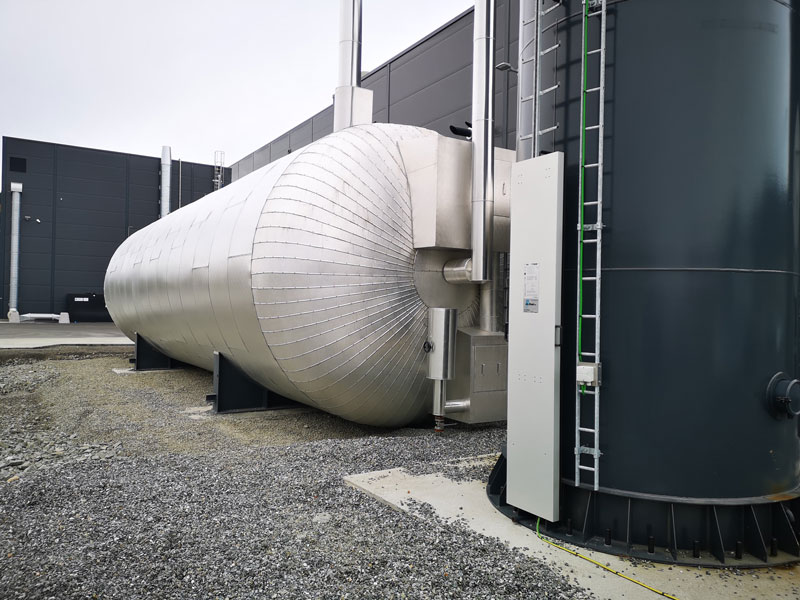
(466, 503)
(45, 335)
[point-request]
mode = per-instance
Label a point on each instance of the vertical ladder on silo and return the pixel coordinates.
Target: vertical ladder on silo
(219, 169)
(544, 21)
(590, 235)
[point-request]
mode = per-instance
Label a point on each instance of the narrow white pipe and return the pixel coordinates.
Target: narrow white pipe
(180, 182)
(166, 177)
(482, 140)
(13, 296)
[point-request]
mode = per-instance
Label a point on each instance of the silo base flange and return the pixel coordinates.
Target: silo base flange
(759, 534)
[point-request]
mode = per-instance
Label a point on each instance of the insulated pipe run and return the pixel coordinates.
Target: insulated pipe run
(13, 313)
(350, 43)
(440, 348)
(491, 300)
(458, 271)
(352, 104)
(482, 140)
(166, 177)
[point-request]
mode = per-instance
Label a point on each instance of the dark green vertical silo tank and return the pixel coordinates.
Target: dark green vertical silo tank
(701, 259)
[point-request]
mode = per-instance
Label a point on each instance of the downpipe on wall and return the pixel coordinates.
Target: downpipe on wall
(13, 295)
(166, 179)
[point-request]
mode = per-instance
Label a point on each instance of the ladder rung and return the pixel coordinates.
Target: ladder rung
(593, 203)
(592, 90)
(589, 278)
(550, 49)
(551, 9)
(585, 429)
(590, 241)
(588, 392)
(598, 51)
(588, 316)
(592, 127)
(585, 468)
(595, 13)
(550, 89)
(593, 354)
(591, 166)
(549, 129)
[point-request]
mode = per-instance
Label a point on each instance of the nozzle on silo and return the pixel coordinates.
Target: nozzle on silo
(441, 349)
(783, 394)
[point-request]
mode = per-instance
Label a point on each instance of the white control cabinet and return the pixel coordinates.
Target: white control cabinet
(534, 338)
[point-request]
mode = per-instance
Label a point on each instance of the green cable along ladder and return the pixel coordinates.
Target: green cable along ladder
(591, 234)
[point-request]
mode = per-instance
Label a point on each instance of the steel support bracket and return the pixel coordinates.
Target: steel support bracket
(149, 358)
(235, 391)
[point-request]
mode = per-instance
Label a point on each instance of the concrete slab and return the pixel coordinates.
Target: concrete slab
(46, 334)
(466, 503)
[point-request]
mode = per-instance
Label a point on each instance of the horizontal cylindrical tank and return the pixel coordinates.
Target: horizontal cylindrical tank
(303, 273)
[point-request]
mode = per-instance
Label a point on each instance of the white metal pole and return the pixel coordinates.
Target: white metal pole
(166, 177)
(13, 312)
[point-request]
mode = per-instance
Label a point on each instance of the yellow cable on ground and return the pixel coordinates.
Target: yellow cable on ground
(602, 566)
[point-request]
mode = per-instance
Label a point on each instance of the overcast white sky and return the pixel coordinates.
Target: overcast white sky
(200, 76)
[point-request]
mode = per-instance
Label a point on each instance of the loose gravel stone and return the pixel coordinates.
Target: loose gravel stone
(21, 376)
(229, 509)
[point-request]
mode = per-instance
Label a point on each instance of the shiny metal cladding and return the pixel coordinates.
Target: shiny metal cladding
(302, 273)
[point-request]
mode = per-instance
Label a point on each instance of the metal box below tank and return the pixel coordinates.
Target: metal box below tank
(481, 376)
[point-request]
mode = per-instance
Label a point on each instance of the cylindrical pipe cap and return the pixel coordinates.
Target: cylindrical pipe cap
(441, 343)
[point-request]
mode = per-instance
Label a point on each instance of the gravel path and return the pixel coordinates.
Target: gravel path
(142, 494)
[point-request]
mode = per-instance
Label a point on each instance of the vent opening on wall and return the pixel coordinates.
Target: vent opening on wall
(17, 165)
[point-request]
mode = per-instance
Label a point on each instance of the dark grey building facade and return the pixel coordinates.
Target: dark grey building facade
(428, 85)
(77, 206)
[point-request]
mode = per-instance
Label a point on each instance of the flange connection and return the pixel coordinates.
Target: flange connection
(783, 393)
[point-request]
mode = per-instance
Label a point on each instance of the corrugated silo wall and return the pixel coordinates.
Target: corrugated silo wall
(82, 204)
(428, 85)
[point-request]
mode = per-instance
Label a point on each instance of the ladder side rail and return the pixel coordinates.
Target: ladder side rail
(581, 199)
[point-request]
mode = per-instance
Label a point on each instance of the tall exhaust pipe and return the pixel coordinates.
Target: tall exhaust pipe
(352, 104)
(349, 43)
(166, 178)
(482, 142)
(13, 312)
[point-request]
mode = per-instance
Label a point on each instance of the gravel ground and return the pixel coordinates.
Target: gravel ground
(131, 489)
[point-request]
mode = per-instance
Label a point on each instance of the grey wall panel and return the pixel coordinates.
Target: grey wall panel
(322, 123)
(246, 165)
(89, 188)
(432, 61)
(378, 82)
(261, 157)
(82, 204)
(300, 136)
(435, 102)
(279, 147)
(430, 85)
(202, 180)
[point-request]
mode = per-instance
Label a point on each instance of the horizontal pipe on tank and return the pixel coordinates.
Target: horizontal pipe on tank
(458, 271)
(454, 406)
